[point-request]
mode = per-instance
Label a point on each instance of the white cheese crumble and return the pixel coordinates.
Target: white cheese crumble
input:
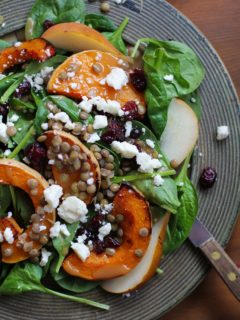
(1, 237)
(222, 132)
(158, 181)
(36, 80)
(44, 126)
(150, 143)
(128, 128)
(52, 196)
(90, 181)
(6, 152)
(17, 44)
(58, 228)
(125, 149)
(73, 209)
(45, 256)
(104, 231)
(117, 78)
(3, 132)
(14, 118)
(60, 116)
(8, 235)
(81, 238)
(100, 122)
(168, 77)
(147, 163)
(110, 106)
(81, 250)
(93, 138)
(193, 100)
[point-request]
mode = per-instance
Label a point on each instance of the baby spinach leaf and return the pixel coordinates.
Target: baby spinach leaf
(180, 224)
(4, 44)
(4, 270)
(62, 244)
(99, 22)
(116, 37)
(11, 89)
(164, 59)
(74, 284)
(5, 199)
(22, 105)
(164, 196)
(22, 125)
(24, 205)
(35, 67)
(7, 81)
(194, 101)
(56, 11)
(67, 105)
(42, 112)
(117, 159)
(25, 277)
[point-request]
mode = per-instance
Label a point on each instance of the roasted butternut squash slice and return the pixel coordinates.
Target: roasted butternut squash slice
(36, 49)
(19, 175)
(81, 75)
(73, 164)
(135, 209)
(9, 222)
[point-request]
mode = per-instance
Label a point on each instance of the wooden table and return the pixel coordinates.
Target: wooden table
(219, 20)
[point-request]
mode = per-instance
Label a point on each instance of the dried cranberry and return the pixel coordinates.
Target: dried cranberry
(131, 110)
(129, 164)
(4, 108)
(23, 89)
(110, 242)
(207, 177)
(36, 153)
(135, 133)
(96, 222)
(115, 131)
(98, 246)
(48, 24)
(138, 79)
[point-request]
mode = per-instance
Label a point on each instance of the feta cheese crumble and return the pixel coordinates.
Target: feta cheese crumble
(93, 138)
(125, 149)
(81, 250)
(100, 122)
(45, 256)
(117, 78)
(72, 210)
(147, 163)
(52, 196)
(150, 143)
(158, 181)
(222, 132)
(3, 132)
(8, 235)
(58, 228)
(110, 106)
(168, 77)
(104, 231)
(128, 128)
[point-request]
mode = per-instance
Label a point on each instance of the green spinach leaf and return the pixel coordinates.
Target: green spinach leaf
(70, 283)
(62, 244)
(116, 37)
(99, 22)
(194, 101)
(35, 67)
(56, 11)
(4, 270)
(67, 105)
(180, 224)
(7, 81)
(4, 44)
(25, 277)
(22, 105)
(5, 199)
(24, 205)
(164, 196)
(11, 89)
(42, 112)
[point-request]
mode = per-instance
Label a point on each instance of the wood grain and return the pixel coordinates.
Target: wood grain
(219, 20)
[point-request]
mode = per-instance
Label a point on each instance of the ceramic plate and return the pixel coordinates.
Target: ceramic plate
(184, 269)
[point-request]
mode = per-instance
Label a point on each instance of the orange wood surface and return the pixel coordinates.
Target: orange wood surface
(219, 20)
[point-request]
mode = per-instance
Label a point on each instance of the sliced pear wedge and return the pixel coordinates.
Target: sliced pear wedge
(181, 132)
(146, 267)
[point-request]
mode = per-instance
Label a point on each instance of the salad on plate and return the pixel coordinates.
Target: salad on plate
(96, 138)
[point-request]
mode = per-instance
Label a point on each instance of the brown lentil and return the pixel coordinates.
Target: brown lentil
(110, 218)
(65, 147)
(86, 167)
(83, 115)
(74, 187)
(84, 176)
(114, 227)
(104, 184)
(91, 189)
(57, 126)
(32, 183)
(27, 246)
(86, 136)
(120, 217)
(110, 158)
(97, 155)
(43, 239)
(63, 76)
(105, 7)
(74, 155)
(114, 187)
(110, 194)
(34, 218)
(34, 192)
(35, 228)
(77, 164)
(138, 253)
(34, 236)
(7, 252)
(34, 253)
(95, 148)
(174, 163)
(110, 251)
(41, 138)
(82, 196)
(109, 166)
(143, 232)
(100, 196)
(11, 131)
(82, 186)
(57, 140)
(104, 202)
(76, 148)
(105, 172)
(120, 232)
(90, 128)
(97, 67)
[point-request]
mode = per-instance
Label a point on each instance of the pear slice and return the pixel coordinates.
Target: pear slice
(76, 37)
(146, 267)
(181, 132)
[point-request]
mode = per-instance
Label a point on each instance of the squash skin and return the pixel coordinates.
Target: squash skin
(91, 79)
(135, 209)
(17, 174)
(36, 49)
(74, 176)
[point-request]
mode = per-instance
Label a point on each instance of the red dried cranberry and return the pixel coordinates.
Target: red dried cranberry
(135, 133)
(23, 89)
(138, 79)
(98, 246)
(207, 178)
(110, 242)
(131, 111)
(96, 222)
(36, 154)
(48, 24)
(4, 109)
(115, 131)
